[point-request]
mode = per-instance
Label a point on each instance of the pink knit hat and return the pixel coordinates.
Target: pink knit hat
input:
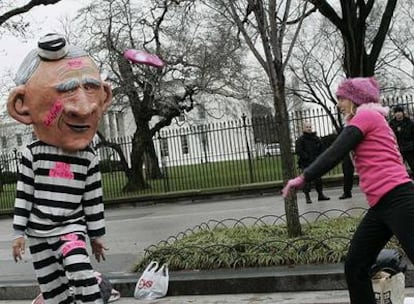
(359, 90)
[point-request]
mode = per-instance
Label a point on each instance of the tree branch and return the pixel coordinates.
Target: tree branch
(24, 9)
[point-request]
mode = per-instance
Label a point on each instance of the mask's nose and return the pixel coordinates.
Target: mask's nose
(82, 107)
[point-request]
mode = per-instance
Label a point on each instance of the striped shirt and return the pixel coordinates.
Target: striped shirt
(58, 192)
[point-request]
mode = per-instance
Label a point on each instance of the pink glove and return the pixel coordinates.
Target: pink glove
(142, 57)
(295, 183)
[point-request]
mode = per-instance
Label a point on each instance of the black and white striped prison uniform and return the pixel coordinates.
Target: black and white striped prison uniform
(59, 199)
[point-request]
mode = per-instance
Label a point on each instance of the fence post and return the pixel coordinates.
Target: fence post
(17, 160)
(164, 169)
(249, 155)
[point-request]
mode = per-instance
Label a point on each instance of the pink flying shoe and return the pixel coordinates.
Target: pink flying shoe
(142, 57)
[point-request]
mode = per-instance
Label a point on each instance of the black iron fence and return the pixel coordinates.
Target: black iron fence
(201, 156)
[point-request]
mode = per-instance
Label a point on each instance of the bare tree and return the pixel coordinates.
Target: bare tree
(270, 28)
(316, 65)
(362, 40)
(9, 11)
(319, 59)
(12, 21)
(401, 36)
(199, 61)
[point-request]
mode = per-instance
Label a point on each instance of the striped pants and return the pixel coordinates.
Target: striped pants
(63, 269)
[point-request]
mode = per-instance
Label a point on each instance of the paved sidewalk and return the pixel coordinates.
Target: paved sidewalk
(316, 297)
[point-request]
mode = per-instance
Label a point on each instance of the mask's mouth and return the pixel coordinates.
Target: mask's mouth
(79, 128)
(75, 127)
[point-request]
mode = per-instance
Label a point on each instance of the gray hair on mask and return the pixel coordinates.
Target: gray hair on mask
(32, 61)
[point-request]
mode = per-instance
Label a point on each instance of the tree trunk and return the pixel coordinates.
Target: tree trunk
(136, 180)
(288, 169)
(152, 167)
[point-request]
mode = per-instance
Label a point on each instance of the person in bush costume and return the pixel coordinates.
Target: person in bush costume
(383, 179)
(59, 202)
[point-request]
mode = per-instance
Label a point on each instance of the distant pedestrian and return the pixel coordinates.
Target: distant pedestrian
(308, 147)
(403, 128)
(383, 178)
(348, 180)
(347, 168)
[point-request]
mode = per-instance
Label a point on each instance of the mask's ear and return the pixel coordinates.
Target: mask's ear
(16, 106)
(108, 98)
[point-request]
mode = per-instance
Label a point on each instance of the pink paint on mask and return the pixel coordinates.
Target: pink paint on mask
(61, 170)
(76, 64)
(54, 112)
(72, 245)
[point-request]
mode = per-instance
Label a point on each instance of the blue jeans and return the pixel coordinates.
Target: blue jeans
(393, 215)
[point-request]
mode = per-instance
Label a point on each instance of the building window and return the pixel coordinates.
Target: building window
(19, 139)
(4, 142)
(164, 147)
(34, 137)
(184, 144)
(181, 117)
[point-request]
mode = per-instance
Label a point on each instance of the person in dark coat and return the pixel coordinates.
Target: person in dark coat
(348, 171)
(308, 147)
(403, 128)
(347, 167)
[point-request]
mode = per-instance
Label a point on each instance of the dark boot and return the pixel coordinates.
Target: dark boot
(322, 197)
(308, 199)
(318, 187)
(345, 195)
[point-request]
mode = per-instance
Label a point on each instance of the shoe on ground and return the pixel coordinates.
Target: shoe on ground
(345, 196)
(115, 296)
(39, 300)
(323, 198)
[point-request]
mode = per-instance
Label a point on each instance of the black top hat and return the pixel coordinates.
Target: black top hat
(52, 47)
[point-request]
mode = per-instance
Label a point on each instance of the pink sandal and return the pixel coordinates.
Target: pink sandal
(142, 57)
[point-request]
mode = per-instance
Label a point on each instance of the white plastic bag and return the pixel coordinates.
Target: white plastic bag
(389, 289)
(153, 282)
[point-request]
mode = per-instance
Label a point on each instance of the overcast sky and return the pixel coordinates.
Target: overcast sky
(44, 19)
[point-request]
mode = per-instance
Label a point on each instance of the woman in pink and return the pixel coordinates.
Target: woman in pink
(383, 179)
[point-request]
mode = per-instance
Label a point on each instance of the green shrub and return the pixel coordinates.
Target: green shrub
(323, 241)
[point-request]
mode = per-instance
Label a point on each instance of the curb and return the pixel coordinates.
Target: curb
(222, 281)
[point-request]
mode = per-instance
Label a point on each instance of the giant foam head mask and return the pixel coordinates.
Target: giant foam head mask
(60, 92)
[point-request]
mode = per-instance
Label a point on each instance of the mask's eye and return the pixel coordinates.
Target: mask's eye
(52, 47)
(91, 86)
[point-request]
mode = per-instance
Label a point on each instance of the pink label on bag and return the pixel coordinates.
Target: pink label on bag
(145, 283)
